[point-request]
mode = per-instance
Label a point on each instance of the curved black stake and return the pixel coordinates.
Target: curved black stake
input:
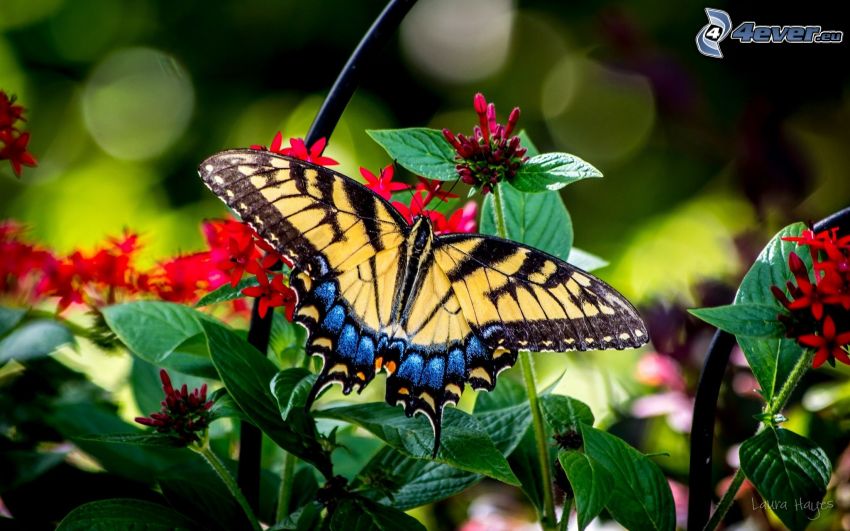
(250, 439)
(705, 406)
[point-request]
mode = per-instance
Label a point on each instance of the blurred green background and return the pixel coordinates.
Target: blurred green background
(703, 159)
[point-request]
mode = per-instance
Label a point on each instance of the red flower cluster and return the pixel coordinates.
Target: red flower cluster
(183, 415)
(298, 149)
(461, 220)
(109, 273)
(13, 142)
(819, 312)
(491, 154)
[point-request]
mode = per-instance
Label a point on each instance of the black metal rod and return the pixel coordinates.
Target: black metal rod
(705, 406)
(250, 439)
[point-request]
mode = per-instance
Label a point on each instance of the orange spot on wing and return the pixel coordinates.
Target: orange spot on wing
(379, 362)
(390, 367)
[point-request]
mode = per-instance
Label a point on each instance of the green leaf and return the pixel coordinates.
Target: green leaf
(552, 171)
(563, 413)
(306, 518)
(247, 375)
(160, 440)
(291, 387)
(404, 482)
(538, 220)
(355, 513)
(640, 497)
(109, 515)
(585, 260)
(287, 340)
(225, 407)
(34, 339)
(772, 359)
(196, 491)
(227, 292)
(526, 466)
(164, 334)
(9, 318)
(747, 320)
(464, 445)
(789, 471)
(421, 150)
(504, 414)
(592, 484)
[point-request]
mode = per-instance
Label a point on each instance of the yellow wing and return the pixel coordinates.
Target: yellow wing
(516, 297)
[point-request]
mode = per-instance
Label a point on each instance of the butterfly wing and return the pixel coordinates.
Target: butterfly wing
(344, 241)
(516, 297)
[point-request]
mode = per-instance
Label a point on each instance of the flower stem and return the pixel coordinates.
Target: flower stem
(222, 472)
(548, 518)
(284, 495)
(773, 408)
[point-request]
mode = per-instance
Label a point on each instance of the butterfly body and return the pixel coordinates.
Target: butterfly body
(434, 312)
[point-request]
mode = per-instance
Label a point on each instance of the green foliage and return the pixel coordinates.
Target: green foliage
(108, 515)
(158, 440)
(465, 444)
(748, 320)
(291, 387)
(355, 513)
(421, 150)
(552, 171)
(163, 334)
(33, 339)
(790, 471)
(564, 413)
(226, 292)
(592, 484)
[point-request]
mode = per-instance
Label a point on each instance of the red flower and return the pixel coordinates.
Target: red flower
(805, 293)
(9, 112)
(383, 185)
(463, 219)
(828, 344)
(491, 154)
(15, 150)
(432, 189)
(184, 414)
(272, 294)
(298, 149)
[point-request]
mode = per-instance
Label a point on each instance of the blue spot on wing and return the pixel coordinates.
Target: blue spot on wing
(432, 376)
(365, 352)
(334, 319)
(326, 293)
(474, 350)
(456, 367)
(411, 368)
(347, 347)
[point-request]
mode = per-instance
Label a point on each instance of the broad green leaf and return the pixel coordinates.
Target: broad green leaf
(291, 387)
(789, 471)
(747, 320)
(9, 318)
(526, 142)
(355, 513)
(564, 413)
(34, 339)
(771, 360)
(146, 386)
(421, 150)
(306, 518)
(164, 334)
(552, 171)
(585, 260)
(160, 440)
(504, 414)
(592, 484)
(464, 443)
(526, 466)
(226, 292)
(77, 421)
(287, 340)
(225, 407)
(247, 376)
(640, 497)
(196, 491)
(109, 515)
(403, 482)
(538, 220)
